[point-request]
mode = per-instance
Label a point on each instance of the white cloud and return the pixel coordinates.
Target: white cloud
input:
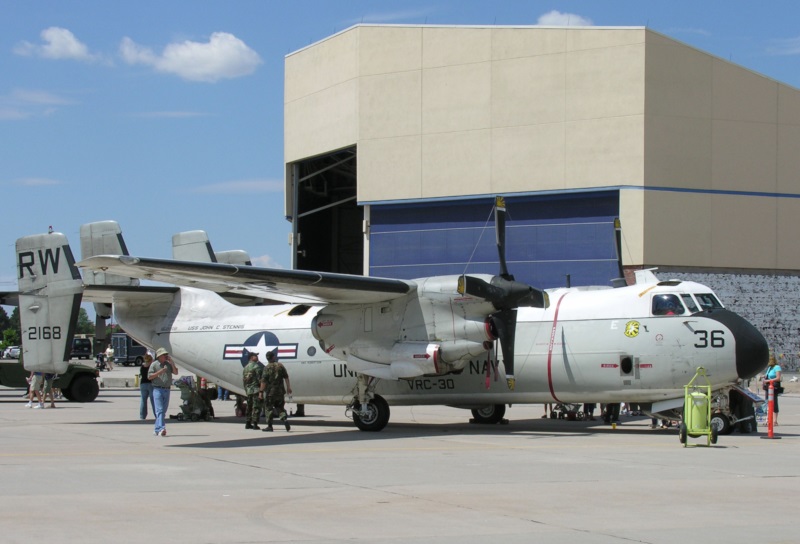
(789, 46)
(32, 96)
(265, 261)
(59, 43)
(247, 186)
(170, 114)
(13, 114)
(556, 18)
(26, 103)
(36, 182)
(223, 56)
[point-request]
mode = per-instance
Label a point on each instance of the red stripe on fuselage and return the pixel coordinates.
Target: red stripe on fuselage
(550, 349)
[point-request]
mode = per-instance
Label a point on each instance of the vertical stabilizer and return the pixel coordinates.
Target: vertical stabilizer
(194, 246)
(50, 291)
(234, 256)
(103, 238)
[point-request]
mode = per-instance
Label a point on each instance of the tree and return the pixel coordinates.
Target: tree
(10, 338)
(12, 334)
(85, 325)
(10, 327)
(4, 320)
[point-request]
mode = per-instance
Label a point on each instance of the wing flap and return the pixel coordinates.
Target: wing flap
(251, 281)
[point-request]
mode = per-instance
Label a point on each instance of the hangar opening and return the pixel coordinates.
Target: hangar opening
(551, 240)
(327, 219)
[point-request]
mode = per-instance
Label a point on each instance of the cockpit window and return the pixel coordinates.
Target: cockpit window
(708, 301)
(689, 301)
(667, 305)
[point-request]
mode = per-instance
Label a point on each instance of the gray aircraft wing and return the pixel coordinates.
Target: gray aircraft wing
(251, 281)
(9, 298)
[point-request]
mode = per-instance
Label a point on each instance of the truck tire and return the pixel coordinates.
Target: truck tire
(139, 360)
(83, 389)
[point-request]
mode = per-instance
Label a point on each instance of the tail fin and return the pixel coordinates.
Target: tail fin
(195, 246)
(50, 291)
(234, 256)
(103, 238)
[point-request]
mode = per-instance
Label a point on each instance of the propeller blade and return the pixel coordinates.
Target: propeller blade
(505, 294)
(502, 293)
(500, 234)
(477, 287)
(505, 324)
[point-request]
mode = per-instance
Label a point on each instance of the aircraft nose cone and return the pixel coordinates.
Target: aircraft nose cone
(752, 351)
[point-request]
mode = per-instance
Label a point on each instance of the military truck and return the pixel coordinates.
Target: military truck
(78, 383)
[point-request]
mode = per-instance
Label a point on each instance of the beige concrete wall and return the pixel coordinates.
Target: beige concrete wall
(715, 126)
(631, 216)
(451, 111)
(711, 230)
(787, 241)
(321, 97)
(472, 110)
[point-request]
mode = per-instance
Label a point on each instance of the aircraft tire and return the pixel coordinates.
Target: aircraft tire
(83, 389)
(489, 415)
(721, 423)
(376, 419)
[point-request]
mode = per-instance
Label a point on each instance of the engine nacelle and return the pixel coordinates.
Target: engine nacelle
(326, 325)
(412, 359)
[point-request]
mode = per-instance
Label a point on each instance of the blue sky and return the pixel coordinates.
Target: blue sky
(167, 116)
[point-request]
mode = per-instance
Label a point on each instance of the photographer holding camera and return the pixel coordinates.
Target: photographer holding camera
(160, 375)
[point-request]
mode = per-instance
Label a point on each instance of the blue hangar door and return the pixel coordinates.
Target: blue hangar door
(547, 238)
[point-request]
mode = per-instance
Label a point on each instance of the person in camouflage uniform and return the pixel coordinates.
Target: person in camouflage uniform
(252, 382)
(272, 387)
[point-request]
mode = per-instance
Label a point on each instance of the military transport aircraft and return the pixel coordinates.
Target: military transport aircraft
(366, 342)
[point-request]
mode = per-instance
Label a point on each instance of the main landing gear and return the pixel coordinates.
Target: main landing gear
(370, 411)
(489, 415)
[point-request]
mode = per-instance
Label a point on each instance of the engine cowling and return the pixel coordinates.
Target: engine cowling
(412, 359)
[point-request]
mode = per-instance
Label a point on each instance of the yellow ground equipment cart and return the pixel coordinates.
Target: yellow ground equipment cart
(697, 410)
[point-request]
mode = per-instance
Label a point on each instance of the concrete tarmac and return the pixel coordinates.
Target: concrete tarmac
(94, 473)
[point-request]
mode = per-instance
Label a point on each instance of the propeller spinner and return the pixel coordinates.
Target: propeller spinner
(505, 294)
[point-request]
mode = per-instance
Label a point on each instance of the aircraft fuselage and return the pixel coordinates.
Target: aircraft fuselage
(587, 346)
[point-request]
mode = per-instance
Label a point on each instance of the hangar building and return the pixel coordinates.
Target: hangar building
(397, 138)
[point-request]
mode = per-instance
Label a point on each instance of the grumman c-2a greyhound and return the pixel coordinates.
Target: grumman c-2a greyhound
(368, 343)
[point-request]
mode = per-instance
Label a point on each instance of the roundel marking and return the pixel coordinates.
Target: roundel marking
(632, 329)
